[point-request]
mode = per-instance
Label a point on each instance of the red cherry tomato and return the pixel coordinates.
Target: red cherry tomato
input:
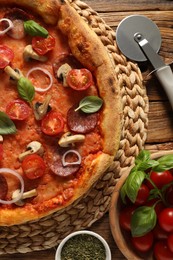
(160, 179)
(43, 45)
(159, 233)
(161, 251)
(166, 219)
(6, 56)
(142, 195)
(52, 123)
(125, 217)
(79, 79)
(170, 242)
(169, 195)
(33, 166)
(143, 243)
(18, 110)
(1, 152)
(159, 206)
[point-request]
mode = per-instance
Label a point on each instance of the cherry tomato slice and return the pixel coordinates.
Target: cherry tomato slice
(18, 110)
(1, 152)
(43, 45)
(166, 219)
(143, 243)
(79, 79)
(52, 123)
(6, 56)
(161, 251)
(33, 166)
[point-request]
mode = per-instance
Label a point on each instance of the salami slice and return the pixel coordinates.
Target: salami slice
(17, 16)
(81, 122)
(57, 167)
(3, 187)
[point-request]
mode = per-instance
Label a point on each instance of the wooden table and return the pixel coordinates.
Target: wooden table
(160, 129)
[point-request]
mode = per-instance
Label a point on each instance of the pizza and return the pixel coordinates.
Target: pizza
(60, 109)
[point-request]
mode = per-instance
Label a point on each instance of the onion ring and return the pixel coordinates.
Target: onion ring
(10, 25)
(64, 163)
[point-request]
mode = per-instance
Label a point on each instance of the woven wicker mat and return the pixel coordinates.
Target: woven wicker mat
(49, 231)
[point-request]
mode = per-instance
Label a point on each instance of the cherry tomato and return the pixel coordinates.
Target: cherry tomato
(6, 56)
(161, 251)
(52, 123)
(79, 79)
(169, 195)
(18, 110)
(160, 178)
(170, 242)
(43, 45)
(166, 219)
(159, 206)
(1, 152)
(143, 243)
(125, 217)
(33, 166)
(159, 233)
(143, 194)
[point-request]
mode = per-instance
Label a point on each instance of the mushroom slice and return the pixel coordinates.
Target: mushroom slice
(15, 74)
(63, 72)
(41, 109)
(26, 195)
(29, 53)
(68, 139)
(33, 147)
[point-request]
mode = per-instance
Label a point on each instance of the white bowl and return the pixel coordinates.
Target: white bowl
(59, 249)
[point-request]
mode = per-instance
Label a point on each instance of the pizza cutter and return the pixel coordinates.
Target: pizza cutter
(139, 39)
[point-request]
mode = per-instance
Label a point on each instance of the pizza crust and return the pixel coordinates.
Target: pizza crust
(89, 50)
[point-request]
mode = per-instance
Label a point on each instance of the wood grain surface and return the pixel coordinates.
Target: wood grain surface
(160, 129)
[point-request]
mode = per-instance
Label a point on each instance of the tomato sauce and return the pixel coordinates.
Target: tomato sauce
(48, 186)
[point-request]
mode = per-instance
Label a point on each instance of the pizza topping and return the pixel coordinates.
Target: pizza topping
(34, 29)
(33, 166)
(16, 174)
(41, 109)
(1, 152)
(33, 147)
(57, 168)
(52, 123)
(68, 139)
(90, 104)
(15, 74)
(10, 25)
(43, 71)
(26, 195)
(6, 124)
(18, 110)
(29, 53)
(3, 187)
(63, 72)
(25, 89)
(43, 45)
(6, 56)
(80, 122)
(75, 153)
(79, 79)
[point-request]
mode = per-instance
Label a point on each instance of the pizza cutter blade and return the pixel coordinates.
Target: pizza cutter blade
(139, 39)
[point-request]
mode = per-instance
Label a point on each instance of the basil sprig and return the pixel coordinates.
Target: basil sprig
(144, 218)
(90, 104)
(34, 29)
(6, 124)
(25, 89)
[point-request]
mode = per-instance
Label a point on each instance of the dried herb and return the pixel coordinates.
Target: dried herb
(83, 247)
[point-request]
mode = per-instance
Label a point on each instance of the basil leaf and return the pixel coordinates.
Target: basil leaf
(90, 104)
(133, 184)
(165, 163)
(26, 89)
(123, 193)
(143, 220)
(34, 29)
(6, 124)
(144, 155)
(143, 166)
